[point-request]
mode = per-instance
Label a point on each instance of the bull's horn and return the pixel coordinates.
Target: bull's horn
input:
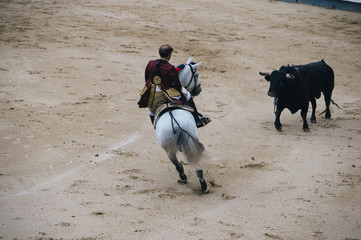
(265, 73)
(290, 76)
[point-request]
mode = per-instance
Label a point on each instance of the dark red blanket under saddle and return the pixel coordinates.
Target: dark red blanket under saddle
(164, 107)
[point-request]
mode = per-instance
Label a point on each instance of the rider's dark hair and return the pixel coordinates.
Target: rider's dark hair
(165, 50)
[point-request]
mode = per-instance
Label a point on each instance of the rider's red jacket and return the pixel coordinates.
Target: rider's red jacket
(169, 83)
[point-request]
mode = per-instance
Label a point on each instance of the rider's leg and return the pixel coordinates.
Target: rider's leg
(195, 112)
(200, 120)
(151, 115)
(193, 105)
(151, 118)
(159, 97)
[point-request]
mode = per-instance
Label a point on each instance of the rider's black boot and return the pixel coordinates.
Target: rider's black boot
(151, 118)
(200, 120)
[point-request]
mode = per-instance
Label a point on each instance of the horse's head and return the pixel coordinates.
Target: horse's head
(188, 76)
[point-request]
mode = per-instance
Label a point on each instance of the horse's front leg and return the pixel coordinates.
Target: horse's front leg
(203, 182)
(173, 158)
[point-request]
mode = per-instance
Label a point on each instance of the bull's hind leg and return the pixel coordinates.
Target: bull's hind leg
(327, 96)
(204, 186)
(179, 167)
(313, 115)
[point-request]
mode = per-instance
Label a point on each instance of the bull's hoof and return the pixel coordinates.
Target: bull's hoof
(306, 129)
(313, 120)
(204, 186)
(279, 128)
(328, 115)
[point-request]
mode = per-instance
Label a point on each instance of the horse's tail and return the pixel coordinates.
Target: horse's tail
(189, 146)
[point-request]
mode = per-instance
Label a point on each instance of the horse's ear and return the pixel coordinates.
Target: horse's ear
(195, 66)
(189, 60)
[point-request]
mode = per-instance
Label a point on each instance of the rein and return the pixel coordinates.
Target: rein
(182, 132)
(173, 127)
(190, 81)
(174, 120)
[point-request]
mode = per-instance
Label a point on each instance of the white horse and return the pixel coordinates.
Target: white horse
(176, 129)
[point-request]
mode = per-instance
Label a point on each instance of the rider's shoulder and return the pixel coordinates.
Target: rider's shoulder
(167, 65)
(152, 63)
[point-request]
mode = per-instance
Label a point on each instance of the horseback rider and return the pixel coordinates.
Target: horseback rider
(162, 83)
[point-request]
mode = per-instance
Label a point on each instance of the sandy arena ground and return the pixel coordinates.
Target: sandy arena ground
(79, 159)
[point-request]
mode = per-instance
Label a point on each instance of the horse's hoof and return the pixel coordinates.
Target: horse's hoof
(180, 181)
(204, 186)
(206, 191)
(306, 129)
(313, 120)
(183, 179)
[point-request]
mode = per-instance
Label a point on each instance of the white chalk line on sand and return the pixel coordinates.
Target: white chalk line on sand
(102, 157)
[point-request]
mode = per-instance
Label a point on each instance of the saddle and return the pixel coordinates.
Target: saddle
(166, 106)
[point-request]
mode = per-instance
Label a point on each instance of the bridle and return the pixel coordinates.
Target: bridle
(193, 79)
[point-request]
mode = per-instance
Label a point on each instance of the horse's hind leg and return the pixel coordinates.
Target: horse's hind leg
(179, 167)
(203, 182)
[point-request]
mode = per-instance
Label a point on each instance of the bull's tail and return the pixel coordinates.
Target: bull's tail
(333, 102)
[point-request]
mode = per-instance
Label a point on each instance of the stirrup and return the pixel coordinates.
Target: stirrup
(202, 121)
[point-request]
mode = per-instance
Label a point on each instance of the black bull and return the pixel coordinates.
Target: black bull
(293, 87)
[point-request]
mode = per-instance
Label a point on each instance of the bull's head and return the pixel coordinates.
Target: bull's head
(278, 81)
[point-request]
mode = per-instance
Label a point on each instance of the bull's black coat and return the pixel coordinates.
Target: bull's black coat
(295, 86)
